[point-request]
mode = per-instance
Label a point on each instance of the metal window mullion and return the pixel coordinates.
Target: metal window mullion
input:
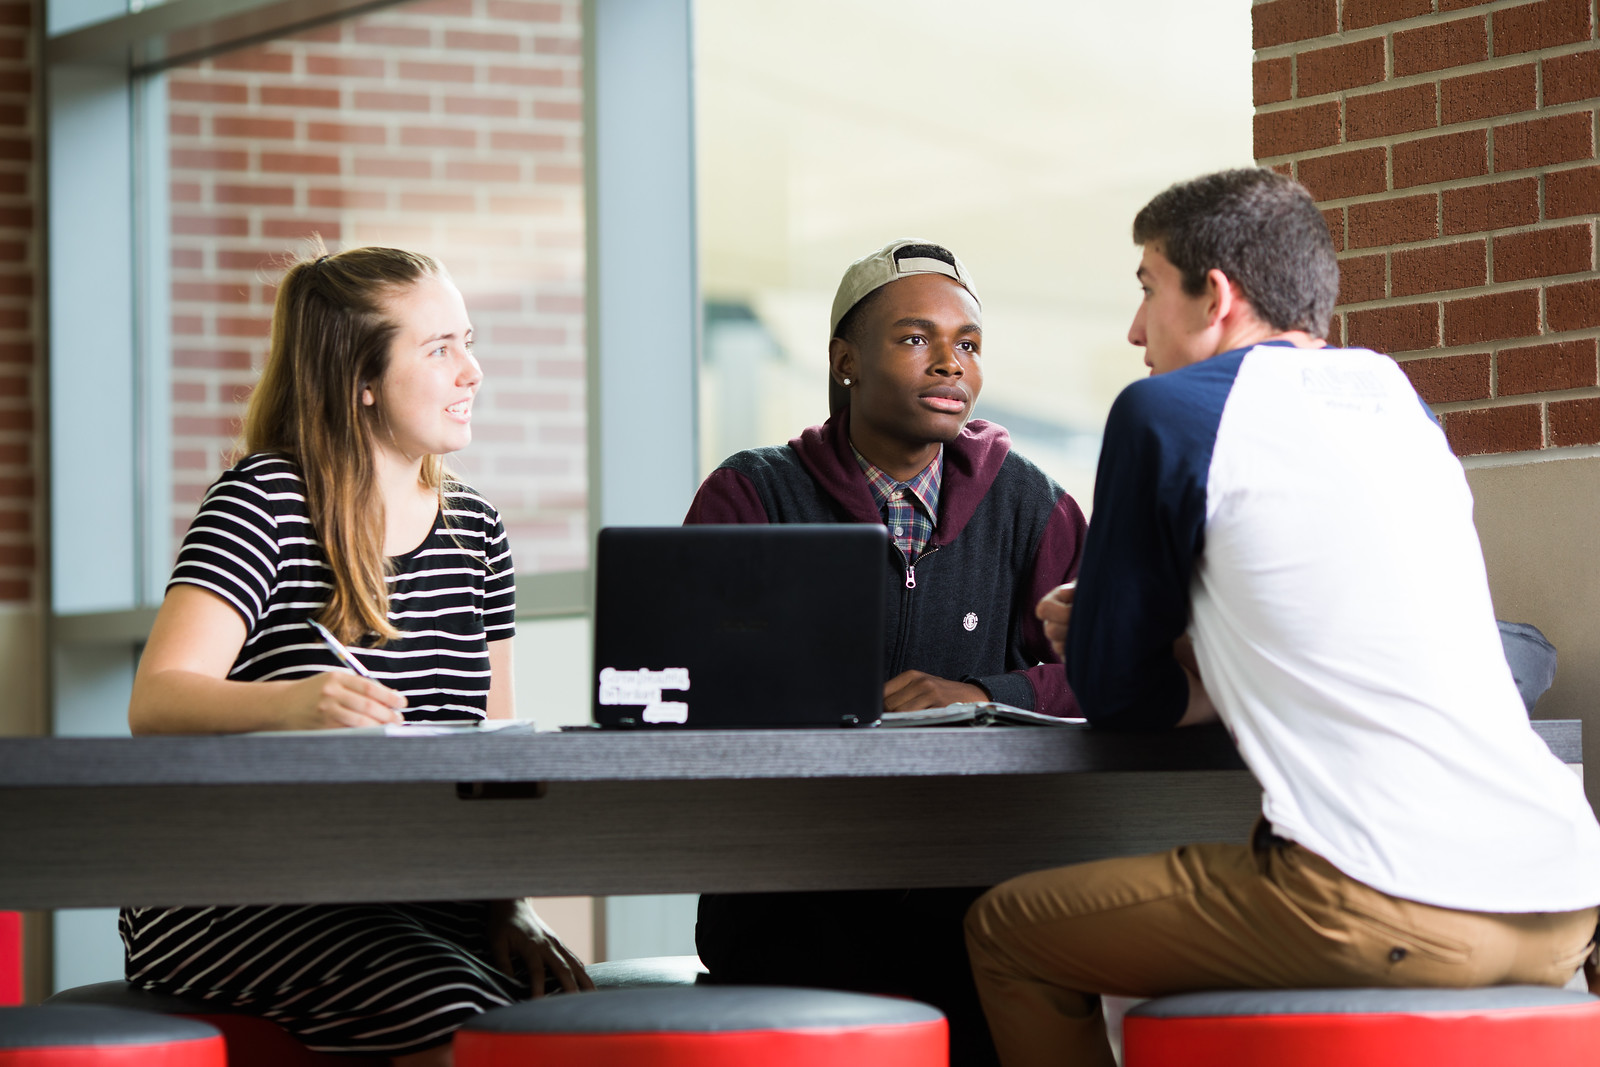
(91, 329)
(152, 279)
(643, 321)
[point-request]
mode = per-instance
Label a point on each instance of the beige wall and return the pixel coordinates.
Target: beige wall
(552, 677)
(1540, 527)
(21, 713)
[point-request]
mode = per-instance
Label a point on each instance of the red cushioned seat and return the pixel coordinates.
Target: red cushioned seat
(1500, 1026)
(256, 1042)
(75, 1036)
(252, 1041)
(10, 958)
(707, 1026)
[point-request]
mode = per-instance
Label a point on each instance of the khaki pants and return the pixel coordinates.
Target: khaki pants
(1043, 946)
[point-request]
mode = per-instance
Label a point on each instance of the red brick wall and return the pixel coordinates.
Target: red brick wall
(20, 501)
(1451, 144)
(449, 126)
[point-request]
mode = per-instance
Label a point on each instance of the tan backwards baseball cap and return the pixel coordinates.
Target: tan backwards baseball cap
(896, 260)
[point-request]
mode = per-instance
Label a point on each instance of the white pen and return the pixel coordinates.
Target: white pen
(342, 654)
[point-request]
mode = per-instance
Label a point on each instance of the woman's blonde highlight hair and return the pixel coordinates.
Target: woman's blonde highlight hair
(331, 333)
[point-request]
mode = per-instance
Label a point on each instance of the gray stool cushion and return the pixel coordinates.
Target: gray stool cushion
(123, 995)
(73, 1025)
(252, 1038)
(703, 1009)
(1224, 1002)
(648, 972)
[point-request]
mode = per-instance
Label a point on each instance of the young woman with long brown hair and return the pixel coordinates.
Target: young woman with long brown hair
(342, 514)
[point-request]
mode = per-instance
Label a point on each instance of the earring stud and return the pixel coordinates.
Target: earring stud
(847, 381)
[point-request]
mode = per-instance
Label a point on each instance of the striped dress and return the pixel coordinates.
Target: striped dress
(385, 979)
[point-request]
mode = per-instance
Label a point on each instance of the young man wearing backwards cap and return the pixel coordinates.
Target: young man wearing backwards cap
(978, 534)
(1294, 511)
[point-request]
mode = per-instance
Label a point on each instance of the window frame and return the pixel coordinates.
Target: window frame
(103, 121)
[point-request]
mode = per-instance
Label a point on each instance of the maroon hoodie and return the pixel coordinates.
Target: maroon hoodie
(1007, 534)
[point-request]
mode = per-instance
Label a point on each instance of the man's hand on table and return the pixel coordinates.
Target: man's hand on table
(914, 690)
(1055, 611)
(517, 932)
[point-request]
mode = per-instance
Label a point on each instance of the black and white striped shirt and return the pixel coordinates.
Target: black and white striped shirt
(373, 978)
(253, 545)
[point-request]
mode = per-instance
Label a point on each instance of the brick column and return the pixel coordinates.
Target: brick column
(21, 425)
(1451, 144)
(19, 392)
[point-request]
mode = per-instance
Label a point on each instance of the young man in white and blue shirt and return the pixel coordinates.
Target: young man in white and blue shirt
(1283, 539)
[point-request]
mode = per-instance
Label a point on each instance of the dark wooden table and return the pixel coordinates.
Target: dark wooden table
(219, 820)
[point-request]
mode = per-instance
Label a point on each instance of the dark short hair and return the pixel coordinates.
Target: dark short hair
(1259, 228)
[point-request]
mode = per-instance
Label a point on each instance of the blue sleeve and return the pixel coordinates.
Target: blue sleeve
(1145, 535)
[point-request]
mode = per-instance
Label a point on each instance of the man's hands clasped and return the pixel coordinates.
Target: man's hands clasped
(1055, 611)
(916, 690)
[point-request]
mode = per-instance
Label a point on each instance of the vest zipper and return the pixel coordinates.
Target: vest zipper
(905, 603)
(911, 568)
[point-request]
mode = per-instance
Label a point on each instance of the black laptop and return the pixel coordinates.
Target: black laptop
(739, 626)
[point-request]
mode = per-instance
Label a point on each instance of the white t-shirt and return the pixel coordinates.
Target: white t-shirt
(1299, 511)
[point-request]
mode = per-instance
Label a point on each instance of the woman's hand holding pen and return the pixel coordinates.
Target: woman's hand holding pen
(340, 698)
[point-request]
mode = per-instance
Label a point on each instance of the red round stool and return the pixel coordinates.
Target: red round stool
(1499, 1026)
(707, 1026)
(10, 957)
(69, 1036)
(252, 1041)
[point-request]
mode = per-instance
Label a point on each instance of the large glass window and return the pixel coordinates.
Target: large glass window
(1023, 134)
(177, 193)
(453, 127)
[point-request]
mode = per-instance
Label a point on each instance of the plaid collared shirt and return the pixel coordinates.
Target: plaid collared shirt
(910, 509)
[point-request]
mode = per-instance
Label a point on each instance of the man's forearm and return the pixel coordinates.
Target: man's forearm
(1199, 709)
